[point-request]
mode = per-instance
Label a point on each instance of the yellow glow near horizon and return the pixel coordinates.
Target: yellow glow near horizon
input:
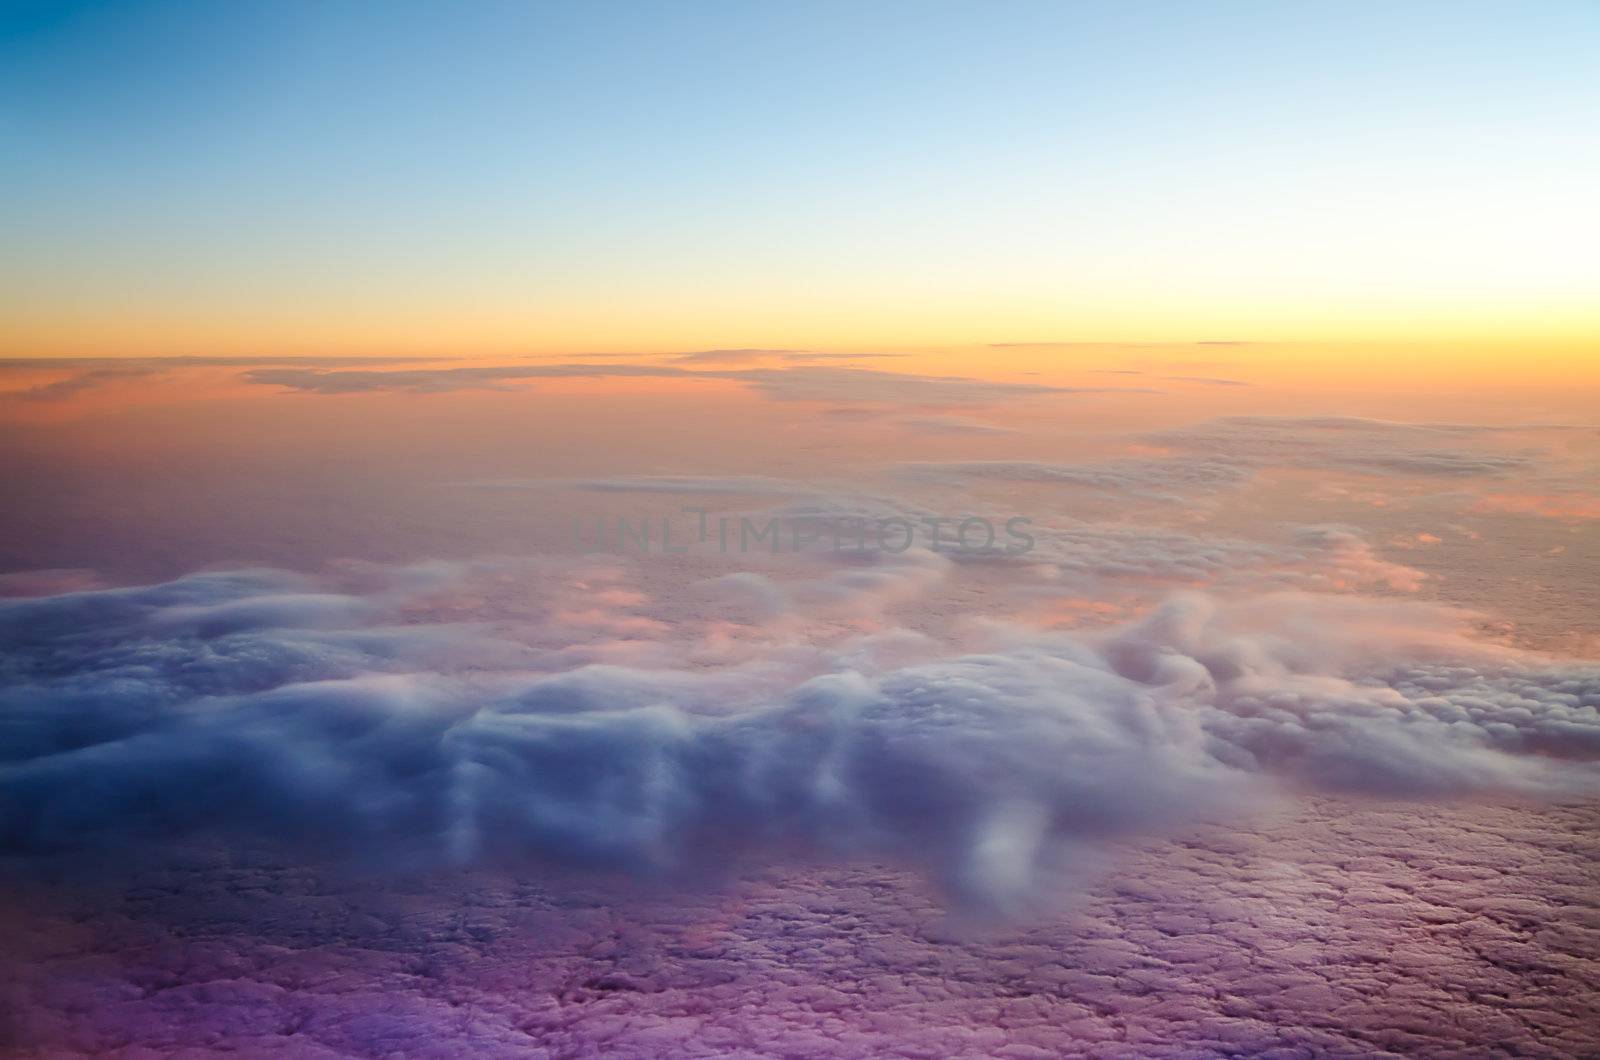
(553, 180)
(1480, 345)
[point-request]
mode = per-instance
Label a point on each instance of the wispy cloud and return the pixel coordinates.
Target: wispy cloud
(798, 383)
(445, 380)
(1165, 479)
(954, 425)
(97, 373)
(1207, 380)
(733, 484)
(80, 383)
(741, 356)
(1376, 447)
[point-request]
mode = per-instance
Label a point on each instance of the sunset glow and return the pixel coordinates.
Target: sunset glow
(532, 178)
(887, 529)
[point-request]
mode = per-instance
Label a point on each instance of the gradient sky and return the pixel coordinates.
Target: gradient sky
(684, 529)
(188, 178)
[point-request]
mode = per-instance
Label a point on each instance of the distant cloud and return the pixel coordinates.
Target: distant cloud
(1119, 345)
(1347, 444)
(445, 380)
(955, 425)
(799, 356)
(729, 356)
(96, 373)
(1571, 506)
(1207, 380)
(864, 384)
(1125, 564)
(82, 382)
(59, 363)
(738, 484)
(799, 383)
(794, 356)
(1163, 479)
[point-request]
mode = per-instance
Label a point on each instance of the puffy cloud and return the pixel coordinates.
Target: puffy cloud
(851, 585)
(1340, 558)
(256, 701)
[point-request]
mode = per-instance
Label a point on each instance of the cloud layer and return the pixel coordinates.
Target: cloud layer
(800, 382)
(259, 702)
(1344, 929)
(1344, 443)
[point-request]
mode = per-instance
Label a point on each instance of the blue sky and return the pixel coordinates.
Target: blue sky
(508, 160)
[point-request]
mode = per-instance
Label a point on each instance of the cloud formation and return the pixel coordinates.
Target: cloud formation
(444, 380)
(1228, 453)
(97, 373)
(735, 356)
(1205, 380)
(801, 382)
(735, 484)
(1153, 478)
(11, 364)
(81, 382)
(1343, 929)
(954, 425)
(260, 702)
(1125, 565)
(747, 356)
(828, 383)
(1374, 447)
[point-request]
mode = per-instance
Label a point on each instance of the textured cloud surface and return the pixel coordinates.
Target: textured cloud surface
(1158, 785)
(256, 702)
(1164, 479)
(1222, 455)
(1341, 930)
(1344, 443)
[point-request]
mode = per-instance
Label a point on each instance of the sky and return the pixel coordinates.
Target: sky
(431, 179)
(685, 530)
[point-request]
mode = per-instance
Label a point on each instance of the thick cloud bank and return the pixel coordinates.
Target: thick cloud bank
(257, 701)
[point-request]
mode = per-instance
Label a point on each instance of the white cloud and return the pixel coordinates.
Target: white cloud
(246, 702)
